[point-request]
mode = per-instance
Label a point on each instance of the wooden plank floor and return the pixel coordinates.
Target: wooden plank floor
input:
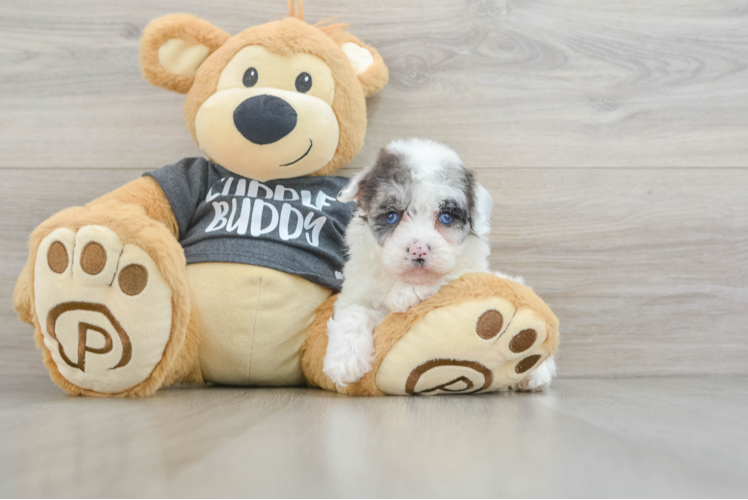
(636, 437)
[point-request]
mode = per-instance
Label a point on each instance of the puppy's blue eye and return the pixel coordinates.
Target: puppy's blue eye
(391, 217)
(445, 218)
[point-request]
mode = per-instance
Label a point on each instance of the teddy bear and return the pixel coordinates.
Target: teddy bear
(224, 269)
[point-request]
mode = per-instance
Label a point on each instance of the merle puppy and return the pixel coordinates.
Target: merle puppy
(421, 221)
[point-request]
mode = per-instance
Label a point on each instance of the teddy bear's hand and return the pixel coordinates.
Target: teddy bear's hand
(350, 346)
(103, 307)
(538, 379)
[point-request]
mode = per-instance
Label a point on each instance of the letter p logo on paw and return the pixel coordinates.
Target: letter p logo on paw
(83, 339)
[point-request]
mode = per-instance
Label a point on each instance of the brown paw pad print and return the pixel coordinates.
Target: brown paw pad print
(523, 340)
(133, 279)
(489, 324)
(57, 257)
(93, 258)
(527, 363)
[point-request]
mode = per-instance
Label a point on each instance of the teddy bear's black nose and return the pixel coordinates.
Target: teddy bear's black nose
(264, 119)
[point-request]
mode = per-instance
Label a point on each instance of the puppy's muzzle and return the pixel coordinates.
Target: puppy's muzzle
(264, 119)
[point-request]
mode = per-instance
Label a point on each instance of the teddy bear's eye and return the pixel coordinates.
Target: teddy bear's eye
(250, 77)
(303, 82)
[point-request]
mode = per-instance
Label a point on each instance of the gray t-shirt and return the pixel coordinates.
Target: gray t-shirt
(293, 225)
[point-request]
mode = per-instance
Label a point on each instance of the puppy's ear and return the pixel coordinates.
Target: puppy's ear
(483, 205)
(366, 61)
(173, 47)
(352, 191)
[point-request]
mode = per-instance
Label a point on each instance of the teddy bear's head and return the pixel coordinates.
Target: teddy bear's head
(279, 100)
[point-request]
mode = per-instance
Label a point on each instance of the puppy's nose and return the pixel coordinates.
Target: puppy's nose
(264, 119)
(418, 250)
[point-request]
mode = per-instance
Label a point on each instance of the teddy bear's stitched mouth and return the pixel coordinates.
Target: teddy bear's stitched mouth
(300, 157)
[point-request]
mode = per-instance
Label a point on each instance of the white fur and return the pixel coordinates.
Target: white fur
(350, 346)
(379, 279)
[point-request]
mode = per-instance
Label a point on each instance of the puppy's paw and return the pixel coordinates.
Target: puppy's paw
(345, 366)
(538, 379)
(425, 291)
(402, 297)
(400, 303)
(350, 345)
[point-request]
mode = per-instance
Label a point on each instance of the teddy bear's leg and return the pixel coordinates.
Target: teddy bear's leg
(109, 298)
(481, 333)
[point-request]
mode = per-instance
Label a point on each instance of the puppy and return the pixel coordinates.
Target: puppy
(421, 220)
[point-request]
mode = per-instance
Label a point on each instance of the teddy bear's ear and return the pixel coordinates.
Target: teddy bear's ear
(366, 61)
(174, 46)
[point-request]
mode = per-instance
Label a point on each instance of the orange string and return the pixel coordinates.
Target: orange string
(333, 28)
(325, 21)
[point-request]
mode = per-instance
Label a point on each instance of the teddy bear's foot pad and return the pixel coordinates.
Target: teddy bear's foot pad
(475, 346)
(103, 308)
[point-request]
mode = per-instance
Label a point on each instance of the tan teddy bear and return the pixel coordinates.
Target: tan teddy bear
(223, 270)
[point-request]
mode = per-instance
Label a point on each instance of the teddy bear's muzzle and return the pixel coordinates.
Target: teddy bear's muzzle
(264, 119)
